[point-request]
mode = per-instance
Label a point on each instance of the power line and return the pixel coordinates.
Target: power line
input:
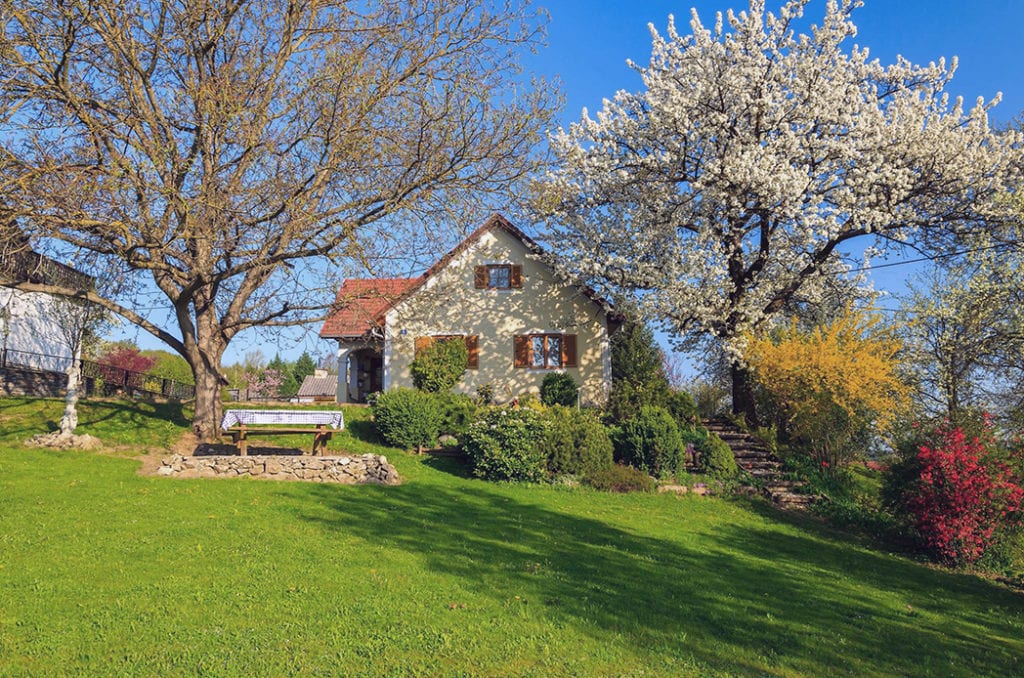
(945, 255)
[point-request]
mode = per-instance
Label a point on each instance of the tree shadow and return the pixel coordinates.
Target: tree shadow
(742, 598)
(97, 413)
(364, 430)
(452, 463)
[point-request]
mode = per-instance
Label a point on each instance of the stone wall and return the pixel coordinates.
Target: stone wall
(15, 382)
(348, 470)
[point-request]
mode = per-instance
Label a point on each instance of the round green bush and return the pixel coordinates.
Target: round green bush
(575, 442)
(618, 478)
(407, 418)
(559, 388)
(716, 458)
(439, 367)
(458, 411)
(505, 444)
(682, 408)
(651, 442)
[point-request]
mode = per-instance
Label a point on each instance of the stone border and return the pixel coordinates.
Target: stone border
(347, 470)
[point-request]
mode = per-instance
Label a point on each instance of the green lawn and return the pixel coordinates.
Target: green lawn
(104, 572)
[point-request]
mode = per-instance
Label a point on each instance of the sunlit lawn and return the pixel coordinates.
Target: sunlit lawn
(105, 572)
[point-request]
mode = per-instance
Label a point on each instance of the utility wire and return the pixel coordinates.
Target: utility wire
(932, 258)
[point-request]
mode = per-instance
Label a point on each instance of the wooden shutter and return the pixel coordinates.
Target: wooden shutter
(422, 344)
(480, 277)
(569, 350)
(474, 352)
(521, 350)
(515, 275)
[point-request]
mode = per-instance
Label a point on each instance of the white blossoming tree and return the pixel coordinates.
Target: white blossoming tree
(729, 187)
(964, 332)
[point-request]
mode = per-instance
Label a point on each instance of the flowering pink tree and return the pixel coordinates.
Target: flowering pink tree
(263, 385)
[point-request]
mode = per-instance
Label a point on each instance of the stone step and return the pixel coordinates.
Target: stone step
(794, 500)
(764, 474)
(759, 465)
(783, 485)
(748, 452)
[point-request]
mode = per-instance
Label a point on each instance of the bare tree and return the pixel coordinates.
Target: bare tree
(231, 153)
(76, 319)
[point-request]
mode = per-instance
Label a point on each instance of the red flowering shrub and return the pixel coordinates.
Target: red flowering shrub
(962, 496)
(126, 358)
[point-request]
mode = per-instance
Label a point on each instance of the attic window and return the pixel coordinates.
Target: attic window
(498, 276)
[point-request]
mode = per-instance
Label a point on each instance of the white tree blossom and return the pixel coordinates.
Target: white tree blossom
(964, 332)
(727, 187)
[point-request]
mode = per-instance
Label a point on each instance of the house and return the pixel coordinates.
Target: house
(318, 387)
(34, 335)
(519, 320)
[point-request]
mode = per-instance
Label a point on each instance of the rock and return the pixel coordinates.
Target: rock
(165, 471)
(677, 489)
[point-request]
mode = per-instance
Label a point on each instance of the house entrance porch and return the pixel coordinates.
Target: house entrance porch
(360, 371)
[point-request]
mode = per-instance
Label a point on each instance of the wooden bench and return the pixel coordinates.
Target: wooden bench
(240, 435)
(243, 424)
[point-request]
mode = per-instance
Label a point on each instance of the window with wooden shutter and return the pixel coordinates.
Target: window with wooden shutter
(569, 358)
(498, 276)
(473, 349)
(422, 344)
(516, 276)
(521, 350)
(545, 351)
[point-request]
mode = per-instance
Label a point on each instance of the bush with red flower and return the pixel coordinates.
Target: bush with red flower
(959, 493)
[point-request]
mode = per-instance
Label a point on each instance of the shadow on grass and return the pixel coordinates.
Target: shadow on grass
(100, 414)
(734, 597)
(364, 430)
(452, 463)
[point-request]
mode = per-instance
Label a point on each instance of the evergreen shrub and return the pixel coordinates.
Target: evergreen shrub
(439, 367)
(651, 442)
(505, 444)
(716, 458)
(559, 388)
(575, 442)
(407, 418)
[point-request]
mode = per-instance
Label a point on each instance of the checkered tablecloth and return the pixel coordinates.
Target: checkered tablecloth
(332, 418)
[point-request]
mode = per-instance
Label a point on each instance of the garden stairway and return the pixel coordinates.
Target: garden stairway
(753, 457)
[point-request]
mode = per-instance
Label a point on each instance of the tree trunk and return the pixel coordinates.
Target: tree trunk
(69, 421)
(208, 412)
(743, 395)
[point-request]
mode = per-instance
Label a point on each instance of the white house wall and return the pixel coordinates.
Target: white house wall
(29, 330)
(449, 303)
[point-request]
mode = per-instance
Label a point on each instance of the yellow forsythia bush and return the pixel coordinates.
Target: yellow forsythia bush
(833, 386)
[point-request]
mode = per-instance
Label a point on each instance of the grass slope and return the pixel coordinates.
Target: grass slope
(104, 572)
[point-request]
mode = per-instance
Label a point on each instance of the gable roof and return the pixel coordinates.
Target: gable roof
(362, 304)
(313, 386)
(365, 301)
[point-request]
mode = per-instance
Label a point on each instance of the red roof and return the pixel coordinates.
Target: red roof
(362, 304)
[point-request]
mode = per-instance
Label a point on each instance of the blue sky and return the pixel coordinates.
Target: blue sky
(590, 41)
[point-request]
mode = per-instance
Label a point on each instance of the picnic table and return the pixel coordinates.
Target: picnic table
(244, 423)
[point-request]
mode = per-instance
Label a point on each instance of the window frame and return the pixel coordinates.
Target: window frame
(508, 276)
(546, 350)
